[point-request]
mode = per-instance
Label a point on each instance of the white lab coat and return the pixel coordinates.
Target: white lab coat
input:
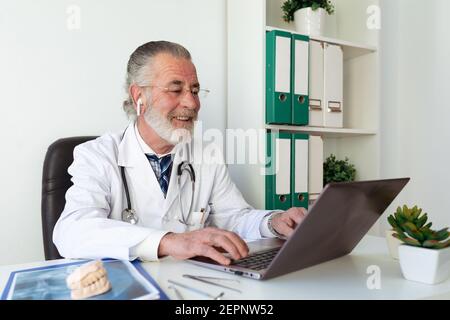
(90, 225)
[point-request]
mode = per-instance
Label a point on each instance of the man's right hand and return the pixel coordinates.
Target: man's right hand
(203, 242)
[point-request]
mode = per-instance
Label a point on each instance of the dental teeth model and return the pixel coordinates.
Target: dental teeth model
(88, 280)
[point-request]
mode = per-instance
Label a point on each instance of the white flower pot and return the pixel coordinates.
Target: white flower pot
(428, 266)
(393, 243)
(310, 22)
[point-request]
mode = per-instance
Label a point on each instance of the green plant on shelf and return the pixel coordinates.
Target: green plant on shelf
(411, 227)
(290, 6)
(338, 170)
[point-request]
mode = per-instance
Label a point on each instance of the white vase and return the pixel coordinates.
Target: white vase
(393, 243)
(423, 265)
(310, 22)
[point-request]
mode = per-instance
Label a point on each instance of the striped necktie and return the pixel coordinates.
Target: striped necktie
(162, 168)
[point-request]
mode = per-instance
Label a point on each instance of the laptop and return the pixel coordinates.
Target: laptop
(338, 220)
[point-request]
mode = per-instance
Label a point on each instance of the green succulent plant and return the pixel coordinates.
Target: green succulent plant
(411, 227)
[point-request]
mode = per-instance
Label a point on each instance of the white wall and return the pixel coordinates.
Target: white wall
(56, 83)
(416, 102)
(246, 88)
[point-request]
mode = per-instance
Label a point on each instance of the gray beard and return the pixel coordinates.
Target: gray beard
(162, 126)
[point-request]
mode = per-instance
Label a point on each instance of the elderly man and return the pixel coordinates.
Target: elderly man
(136, 195)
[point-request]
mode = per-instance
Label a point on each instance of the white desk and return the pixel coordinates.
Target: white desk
(343, 278)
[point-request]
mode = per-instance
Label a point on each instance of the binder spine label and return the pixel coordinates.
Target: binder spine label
(278, 82)
(278, 176)
(299, 163)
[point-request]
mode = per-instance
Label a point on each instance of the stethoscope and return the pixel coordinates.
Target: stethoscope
(129, 214)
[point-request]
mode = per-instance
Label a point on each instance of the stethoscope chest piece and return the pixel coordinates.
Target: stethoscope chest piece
(128, 215)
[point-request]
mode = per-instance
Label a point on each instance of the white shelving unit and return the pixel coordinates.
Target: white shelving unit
(358, 140)
(324, 132)
(351, 49)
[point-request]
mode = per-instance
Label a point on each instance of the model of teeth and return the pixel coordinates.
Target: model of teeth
(88, 280)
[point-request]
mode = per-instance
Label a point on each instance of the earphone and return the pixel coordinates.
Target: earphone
(139, 105)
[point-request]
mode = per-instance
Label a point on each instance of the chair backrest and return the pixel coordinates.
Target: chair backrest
(55, 182)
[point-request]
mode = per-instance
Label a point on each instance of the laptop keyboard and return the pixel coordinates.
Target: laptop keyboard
(257, 261)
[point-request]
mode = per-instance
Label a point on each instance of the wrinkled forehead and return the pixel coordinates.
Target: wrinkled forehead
(167, 69)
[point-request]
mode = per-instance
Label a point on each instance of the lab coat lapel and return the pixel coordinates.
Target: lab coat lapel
(172, 193)
(145, 192)
(127, 147)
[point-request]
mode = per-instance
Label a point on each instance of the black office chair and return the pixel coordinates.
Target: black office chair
(55, 182)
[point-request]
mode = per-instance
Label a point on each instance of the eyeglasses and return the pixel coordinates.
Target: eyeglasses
(177, 91)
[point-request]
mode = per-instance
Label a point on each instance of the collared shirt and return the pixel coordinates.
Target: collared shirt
(148, 151)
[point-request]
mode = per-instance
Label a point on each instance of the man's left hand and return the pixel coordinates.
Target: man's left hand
(284, 223)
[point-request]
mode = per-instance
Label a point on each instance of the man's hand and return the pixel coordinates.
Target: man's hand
(284, 223)
(204, 242)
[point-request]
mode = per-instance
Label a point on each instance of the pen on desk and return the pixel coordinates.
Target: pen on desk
(177, 292)
(197, 290)
(210, 282)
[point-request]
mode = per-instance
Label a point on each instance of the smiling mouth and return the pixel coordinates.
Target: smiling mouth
(184, 119)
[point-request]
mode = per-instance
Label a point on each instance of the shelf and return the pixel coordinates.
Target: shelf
(324, 132)
(351, 49)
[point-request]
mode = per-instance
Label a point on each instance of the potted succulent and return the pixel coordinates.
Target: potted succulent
(309, 15)
(338, 170)
(425, 254)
